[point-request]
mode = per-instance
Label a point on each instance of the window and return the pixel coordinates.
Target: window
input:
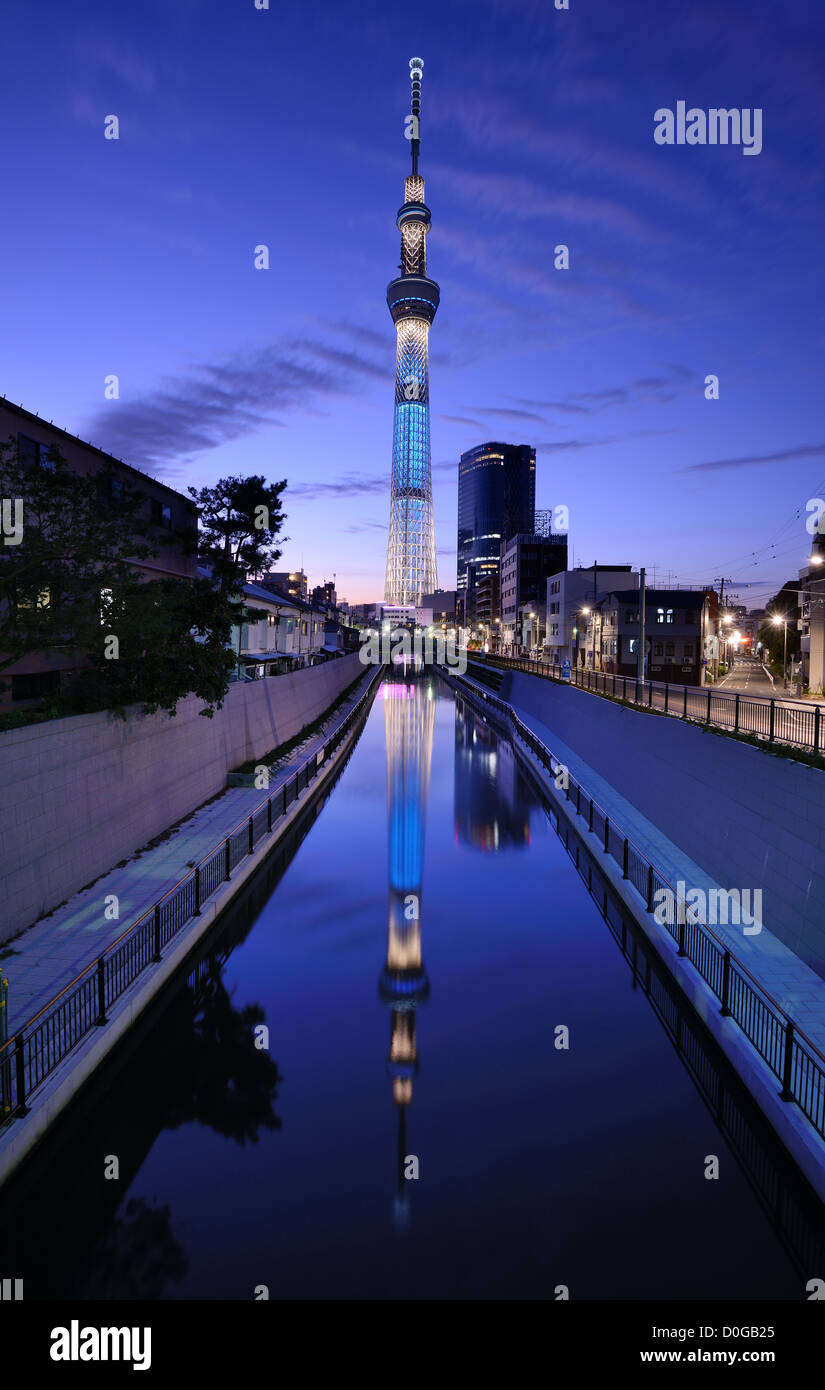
(633, 642)
(669, 616)
(160, 513)
(688, 651)
(303, 629)
(43, 600)
(35, 686)
(630, 616)
(109, 488)
(271, 620)
(657, 650)
(32, 452)
(660, 615)
(670, 651)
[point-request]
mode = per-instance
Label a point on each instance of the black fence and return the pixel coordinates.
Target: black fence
(33, 1051)
(792, 1057)
(776, 720)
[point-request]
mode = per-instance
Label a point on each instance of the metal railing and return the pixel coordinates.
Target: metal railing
(34, 1050)
(777, 721)
(793, 1058)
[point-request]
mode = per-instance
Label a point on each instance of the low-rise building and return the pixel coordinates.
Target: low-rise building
(293, 583)
(169, 513)
(570, 597)
(677, 622)
(811, 621)
(526, 562)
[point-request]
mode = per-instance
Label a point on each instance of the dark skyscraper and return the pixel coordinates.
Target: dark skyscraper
(496, 500)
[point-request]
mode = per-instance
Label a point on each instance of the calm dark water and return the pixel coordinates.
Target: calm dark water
(412, 965)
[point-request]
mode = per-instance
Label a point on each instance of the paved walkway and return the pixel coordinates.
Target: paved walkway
(795, 987)
(797, 990)
(47, 956)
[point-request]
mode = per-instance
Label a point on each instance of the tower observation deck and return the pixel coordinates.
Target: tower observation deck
(413, 300)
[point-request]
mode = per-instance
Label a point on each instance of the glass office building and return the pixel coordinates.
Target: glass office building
(496, 500)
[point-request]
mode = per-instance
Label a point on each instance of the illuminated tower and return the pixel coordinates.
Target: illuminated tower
(409, 717)
(412, 300)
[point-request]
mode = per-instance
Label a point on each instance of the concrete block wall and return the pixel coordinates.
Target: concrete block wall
(749, 819)
(78, 795)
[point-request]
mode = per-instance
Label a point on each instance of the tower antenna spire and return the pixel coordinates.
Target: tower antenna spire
(416, 73)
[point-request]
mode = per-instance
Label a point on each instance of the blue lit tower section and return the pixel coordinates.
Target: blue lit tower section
(409, 717)
(413, 301)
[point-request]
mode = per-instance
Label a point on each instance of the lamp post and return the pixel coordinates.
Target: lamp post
(817, 558)
(784, 621)
(726, 618)
(585, 613)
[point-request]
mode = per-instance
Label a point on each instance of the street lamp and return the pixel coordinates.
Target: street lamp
(727, 617)
(585, 613)
(784, 621)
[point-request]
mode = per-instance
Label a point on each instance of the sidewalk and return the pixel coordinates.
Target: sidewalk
(47, 956)
(798, 991)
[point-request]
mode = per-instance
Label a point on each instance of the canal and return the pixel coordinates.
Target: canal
(414, 1061)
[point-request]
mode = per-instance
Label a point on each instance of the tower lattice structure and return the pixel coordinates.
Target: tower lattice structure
(413, 300)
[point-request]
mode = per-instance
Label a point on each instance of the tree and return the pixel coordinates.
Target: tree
(68, 585)
(77, 538)
(171, 640)
(785, 604)
(240, 519)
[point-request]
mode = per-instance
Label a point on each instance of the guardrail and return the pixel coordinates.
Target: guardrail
(793, 1058)
(768, 717)
(33, 1051)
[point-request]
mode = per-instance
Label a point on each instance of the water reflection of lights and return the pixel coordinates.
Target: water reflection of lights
(409, 719)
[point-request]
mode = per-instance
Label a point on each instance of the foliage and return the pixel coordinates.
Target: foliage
(69, 587)
(240, 519)
(772, 635)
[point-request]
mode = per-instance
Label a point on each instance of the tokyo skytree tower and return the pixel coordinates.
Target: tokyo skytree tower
(413, 301)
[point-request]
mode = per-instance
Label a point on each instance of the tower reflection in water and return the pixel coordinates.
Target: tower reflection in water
(409, 717)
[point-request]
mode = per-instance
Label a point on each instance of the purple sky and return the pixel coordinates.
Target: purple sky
(285, 127)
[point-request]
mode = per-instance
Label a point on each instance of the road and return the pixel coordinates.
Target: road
(763, 709)
(749, 677)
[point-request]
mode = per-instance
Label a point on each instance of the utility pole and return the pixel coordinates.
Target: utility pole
(595, 573)
(640, 654)
(719, 629)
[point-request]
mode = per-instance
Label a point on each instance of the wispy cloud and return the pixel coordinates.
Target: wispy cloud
(216, 402)
(348, 485)
(366, 526)
(461, 420)
(748, 460)
(508, 413)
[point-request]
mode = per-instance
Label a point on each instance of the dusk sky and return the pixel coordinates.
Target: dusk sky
(286, 127)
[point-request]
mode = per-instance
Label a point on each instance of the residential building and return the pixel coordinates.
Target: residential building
(677, 623)
(310, 624)
(811, 620)
(291, 582)
(442, 603)
(169, 513)
(324, 595)
(568, 595)
(496, 500)
(526, 562)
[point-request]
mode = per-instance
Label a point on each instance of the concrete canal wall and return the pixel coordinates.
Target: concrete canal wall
(78, 795)
(798, 990)
(748, 818)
